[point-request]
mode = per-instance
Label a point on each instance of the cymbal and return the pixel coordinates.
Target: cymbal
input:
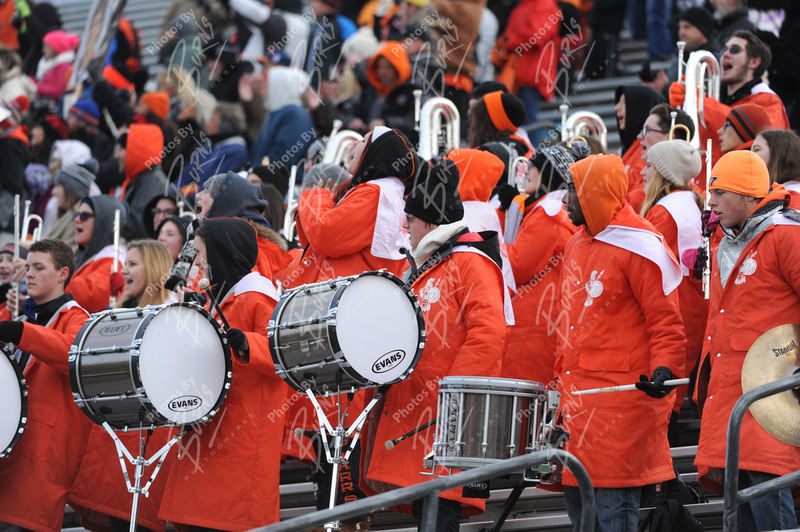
(774, 356)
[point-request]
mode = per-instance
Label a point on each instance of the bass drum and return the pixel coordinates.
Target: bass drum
(148, 367)
(14, 412)
(346, 334)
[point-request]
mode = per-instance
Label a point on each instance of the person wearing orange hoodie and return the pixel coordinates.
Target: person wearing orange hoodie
(537, 258)
(456, 277)
(742, 126)
(139, 153)
(756, 259)
(617, 274)
(388, 98)
(674, 207)
(36, 476)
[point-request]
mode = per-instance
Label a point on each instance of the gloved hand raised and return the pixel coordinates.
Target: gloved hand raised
(655, 386)
(238, 344)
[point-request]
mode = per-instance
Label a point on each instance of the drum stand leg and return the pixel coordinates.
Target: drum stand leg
(505, 511)
(140, 463)
(339, 434)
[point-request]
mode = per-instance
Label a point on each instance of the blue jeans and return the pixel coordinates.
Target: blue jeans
(770, 512)
(659, 37)
(616, 509)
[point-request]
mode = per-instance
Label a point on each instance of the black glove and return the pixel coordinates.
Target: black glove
(11, 331)
(655, 386)
(238, 342)
(506, 194)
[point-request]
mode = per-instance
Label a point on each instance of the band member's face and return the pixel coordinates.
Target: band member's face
(170, 236)
(648, 171)
(204, 202)
(45, 283)
(573, 206)
(651, 134)
(134, 273)
(6, 267)
(84, 228)
(729, 139)
(731, 208)
(163, 209)
(761, 148)
(533, 180)
(619, 108)
(200, 258)
(693, 37)
(357, 155)
(734, 62)
(417, 229)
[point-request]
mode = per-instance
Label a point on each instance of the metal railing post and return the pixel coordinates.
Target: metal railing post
(732, 496)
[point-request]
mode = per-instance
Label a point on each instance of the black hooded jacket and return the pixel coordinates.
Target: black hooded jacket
(638, 102)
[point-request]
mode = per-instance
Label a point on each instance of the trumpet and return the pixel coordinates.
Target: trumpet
(438, 113)
(703, 71)
(340, 144)
(583, 123)
(26, 222)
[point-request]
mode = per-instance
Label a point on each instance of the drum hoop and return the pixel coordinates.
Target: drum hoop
(490, 385)
(76, 351)
(23, 393)
(341, 283)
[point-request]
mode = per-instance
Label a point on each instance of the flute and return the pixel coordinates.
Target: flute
(15, 284)
(706, 236)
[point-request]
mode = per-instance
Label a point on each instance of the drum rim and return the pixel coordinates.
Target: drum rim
(341, 283)
(158, 419)
(23, 392)
(489, 384)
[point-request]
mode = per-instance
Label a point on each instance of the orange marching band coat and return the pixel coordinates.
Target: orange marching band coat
(40, 470)
(677, 218)
(619, 320)
(462, 301)
(227, 472)
(90, 284)
(537, 258)
(767, 269)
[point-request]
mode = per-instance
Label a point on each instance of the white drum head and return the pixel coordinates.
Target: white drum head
(182, 364)
(11, 412)
(377, 328)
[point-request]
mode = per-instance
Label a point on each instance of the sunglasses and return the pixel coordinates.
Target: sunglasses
(82, 216)
(733, 50)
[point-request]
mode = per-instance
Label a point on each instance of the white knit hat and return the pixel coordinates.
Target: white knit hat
(676, 160)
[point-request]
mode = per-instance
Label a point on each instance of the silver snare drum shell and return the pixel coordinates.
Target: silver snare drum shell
(481, 420)
(14, 411)
(347, 334)
(148, 367)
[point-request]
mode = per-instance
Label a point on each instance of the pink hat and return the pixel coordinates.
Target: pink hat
(61, 41)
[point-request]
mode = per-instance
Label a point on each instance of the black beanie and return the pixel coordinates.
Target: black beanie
(436, 200)
(701, 19)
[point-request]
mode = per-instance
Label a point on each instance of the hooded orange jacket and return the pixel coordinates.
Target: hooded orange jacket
(605, 290)
(462, 302)
(737, 316)
(537, 258)
(36, 476)
(228, 471)
(393, 52)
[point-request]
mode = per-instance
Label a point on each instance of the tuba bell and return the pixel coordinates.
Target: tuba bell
(585, 124)
(438, 113)
(703, 71)
(340, 144)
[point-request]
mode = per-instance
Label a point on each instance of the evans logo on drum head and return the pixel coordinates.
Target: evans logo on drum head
(388, 361)
(114, 330)
(185, 403)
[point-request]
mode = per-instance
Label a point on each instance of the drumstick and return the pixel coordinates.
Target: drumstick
(626, 387)
(204, 285)
(391, 443)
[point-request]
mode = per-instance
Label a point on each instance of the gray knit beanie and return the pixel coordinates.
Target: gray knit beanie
(76, 179)
(676, 160)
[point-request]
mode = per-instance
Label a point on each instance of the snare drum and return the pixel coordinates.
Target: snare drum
(14, 412)
(481, 420)
(348, 333)
(149, 367)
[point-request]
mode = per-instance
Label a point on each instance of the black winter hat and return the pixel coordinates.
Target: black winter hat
(436, 200)
(701, 19)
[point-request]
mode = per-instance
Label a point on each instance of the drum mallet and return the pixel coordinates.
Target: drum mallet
(626, 387)
(204, 285)
(391, 443)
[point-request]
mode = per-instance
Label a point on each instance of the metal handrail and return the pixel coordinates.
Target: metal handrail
(431, 489)
(733, 497)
